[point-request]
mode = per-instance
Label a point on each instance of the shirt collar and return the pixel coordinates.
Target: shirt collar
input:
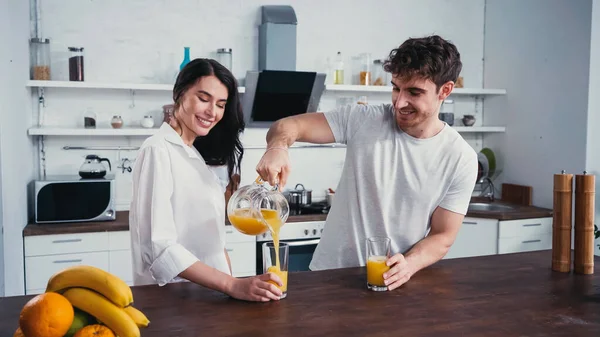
(169, 134)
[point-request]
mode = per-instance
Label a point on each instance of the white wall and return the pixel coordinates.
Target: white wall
(539, 50)
(16, 149)
(4, 66)
(121, 48)
(593, 136)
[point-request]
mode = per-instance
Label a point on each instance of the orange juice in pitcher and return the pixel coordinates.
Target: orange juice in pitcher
(254, 209)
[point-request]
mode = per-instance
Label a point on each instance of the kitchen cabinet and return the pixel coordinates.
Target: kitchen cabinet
(524, 235)
(241, 249)
(110, 251)
(48, 254)
(477, 237)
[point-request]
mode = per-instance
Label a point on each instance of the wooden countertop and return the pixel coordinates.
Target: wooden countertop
(517, 211)
(122, 221)
(120, 224)
(500, 295)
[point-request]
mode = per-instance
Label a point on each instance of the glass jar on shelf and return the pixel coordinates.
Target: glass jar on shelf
(116, 122)
(365, 69)
(168, 110)
(89, 119)
(379, 74)
(40, 59)
(225, 57)
(148, 122)
(76, 64)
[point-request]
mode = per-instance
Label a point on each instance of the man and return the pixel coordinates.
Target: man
(407, 175)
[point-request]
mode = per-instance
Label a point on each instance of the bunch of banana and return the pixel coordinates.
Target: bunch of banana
(102, 295)
(103, 282)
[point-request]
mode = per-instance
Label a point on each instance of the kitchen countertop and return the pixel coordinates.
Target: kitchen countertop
(120, 224)
(122, 221)
(517, 211)
(500, 295)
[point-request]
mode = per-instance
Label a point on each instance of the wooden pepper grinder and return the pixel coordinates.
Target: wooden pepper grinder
(585, 191)
(561, 222)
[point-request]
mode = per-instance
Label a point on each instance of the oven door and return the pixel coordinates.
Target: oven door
(301, 253)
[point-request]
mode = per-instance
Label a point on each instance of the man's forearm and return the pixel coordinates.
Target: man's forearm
(282, 133)
(427, 252)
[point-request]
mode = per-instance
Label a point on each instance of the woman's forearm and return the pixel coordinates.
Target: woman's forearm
(209, 277)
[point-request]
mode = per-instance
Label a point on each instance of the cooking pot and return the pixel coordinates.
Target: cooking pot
(300, 197)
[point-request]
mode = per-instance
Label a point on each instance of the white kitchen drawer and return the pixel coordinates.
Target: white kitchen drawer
(39, 269)
(243, 257)
(119, 240)
(65, 243)
(476, 237)
(525, 228)
(34, 291)
(233, 235)
(516, 245)
(121, 265)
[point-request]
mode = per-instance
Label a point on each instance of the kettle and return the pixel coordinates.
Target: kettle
(92, 167)
(256, 208)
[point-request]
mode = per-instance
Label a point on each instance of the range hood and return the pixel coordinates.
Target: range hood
(277, 90)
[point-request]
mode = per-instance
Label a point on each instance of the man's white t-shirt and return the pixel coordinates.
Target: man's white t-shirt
(391, 183)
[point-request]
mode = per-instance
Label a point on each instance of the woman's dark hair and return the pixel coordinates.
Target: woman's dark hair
(429, 57)
(222, 145)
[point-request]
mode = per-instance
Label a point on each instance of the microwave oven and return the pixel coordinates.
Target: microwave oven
(60, 199)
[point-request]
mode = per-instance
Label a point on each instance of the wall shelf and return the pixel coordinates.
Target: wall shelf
(480, 129)
(169, 87)
(74, 131)
(101, 85)
(385, 89)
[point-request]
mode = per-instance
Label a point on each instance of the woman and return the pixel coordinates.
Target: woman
(177, 213)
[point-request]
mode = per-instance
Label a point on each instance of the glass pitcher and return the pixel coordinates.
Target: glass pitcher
(256, 208)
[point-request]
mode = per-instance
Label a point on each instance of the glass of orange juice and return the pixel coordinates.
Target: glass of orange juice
(275, 260)
(378, 251)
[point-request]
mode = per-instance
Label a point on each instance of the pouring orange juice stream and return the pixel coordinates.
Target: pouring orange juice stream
(248, 224)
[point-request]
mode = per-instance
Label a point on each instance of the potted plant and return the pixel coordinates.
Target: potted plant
(596, 233)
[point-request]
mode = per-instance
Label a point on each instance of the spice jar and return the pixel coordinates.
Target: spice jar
(76, 64)
(40, 59)
(148, 121)
(379, 75)
(225, 57)
(365, 71)
(116, 122)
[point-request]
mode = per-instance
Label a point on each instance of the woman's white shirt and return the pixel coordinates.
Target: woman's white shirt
(177, 212)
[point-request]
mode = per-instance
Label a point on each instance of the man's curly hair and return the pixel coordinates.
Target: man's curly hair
(429, 57)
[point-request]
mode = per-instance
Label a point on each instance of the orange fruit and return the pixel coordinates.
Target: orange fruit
(95, 330)
(18, 333)
(46, 315)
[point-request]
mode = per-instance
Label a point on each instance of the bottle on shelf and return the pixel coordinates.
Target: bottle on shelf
(186, 57)
(338, 77)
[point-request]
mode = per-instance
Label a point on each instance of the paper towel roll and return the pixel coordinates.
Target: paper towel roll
(585, 191)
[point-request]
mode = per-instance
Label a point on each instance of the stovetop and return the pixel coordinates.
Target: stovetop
(314, 208)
